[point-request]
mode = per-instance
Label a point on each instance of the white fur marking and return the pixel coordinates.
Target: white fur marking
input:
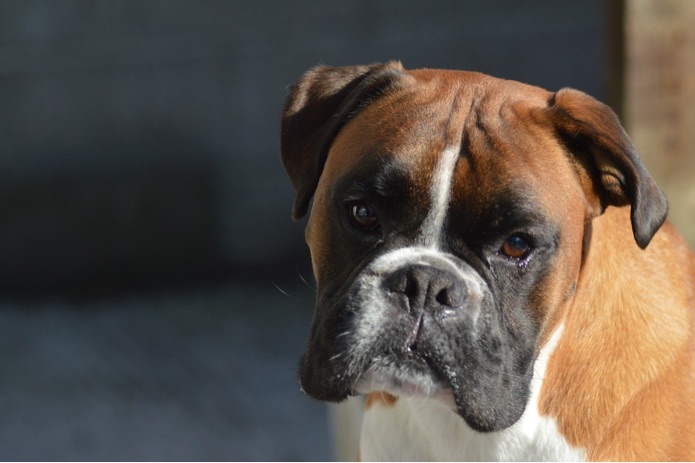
(440, 192)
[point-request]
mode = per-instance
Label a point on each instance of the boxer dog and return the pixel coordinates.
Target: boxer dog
(493, 270)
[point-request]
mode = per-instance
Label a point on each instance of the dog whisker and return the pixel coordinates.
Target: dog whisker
(281, 290)
(301, 277)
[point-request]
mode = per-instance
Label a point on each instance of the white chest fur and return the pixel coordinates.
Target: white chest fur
(426, 429)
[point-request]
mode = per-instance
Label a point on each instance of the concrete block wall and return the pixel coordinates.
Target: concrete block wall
(139, 139)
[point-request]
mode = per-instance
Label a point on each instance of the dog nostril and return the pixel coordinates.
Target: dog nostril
(410, 288)
(400, 283)
(444, 298)
(404, 283)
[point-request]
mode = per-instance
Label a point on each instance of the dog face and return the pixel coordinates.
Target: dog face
(447, 227)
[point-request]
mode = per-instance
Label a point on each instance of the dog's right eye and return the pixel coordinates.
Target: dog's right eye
(363, 216)
(516, 247)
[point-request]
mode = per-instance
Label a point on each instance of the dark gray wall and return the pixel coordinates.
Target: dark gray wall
(139, 139)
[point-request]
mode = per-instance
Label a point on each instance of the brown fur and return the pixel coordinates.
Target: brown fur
(621, 381)
(379, 398)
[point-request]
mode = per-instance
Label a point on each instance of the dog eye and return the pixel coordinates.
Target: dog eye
(363, 216)
(516, 247)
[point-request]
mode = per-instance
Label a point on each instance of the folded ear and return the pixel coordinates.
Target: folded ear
(318, 105)
(593, 134)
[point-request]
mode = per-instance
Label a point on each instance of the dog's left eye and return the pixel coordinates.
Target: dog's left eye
(516, 247)
(363, 216)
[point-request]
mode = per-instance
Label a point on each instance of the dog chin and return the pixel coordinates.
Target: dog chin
(400, 384)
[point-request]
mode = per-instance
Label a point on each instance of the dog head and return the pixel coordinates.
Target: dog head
(450, 211)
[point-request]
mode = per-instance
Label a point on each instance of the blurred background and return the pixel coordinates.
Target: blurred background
(154, 293)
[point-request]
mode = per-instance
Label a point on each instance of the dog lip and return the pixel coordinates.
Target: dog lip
(411, 377)
(376, 379)
(416, 386)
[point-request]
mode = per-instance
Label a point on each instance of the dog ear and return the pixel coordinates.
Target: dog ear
(318, 105)
(593, 134)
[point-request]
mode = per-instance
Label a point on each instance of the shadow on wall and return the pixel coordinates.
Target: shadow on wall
(146, 219)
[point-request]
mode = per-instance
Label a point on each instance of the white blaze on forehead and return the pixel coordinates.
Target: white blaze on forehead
(440, 193)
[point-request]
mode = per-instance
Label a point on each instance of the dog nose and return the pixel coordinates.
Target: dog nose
(429, 288)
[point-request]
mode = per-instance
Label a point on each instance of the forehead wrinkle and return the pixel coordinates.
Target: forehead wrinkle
(452, 129)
